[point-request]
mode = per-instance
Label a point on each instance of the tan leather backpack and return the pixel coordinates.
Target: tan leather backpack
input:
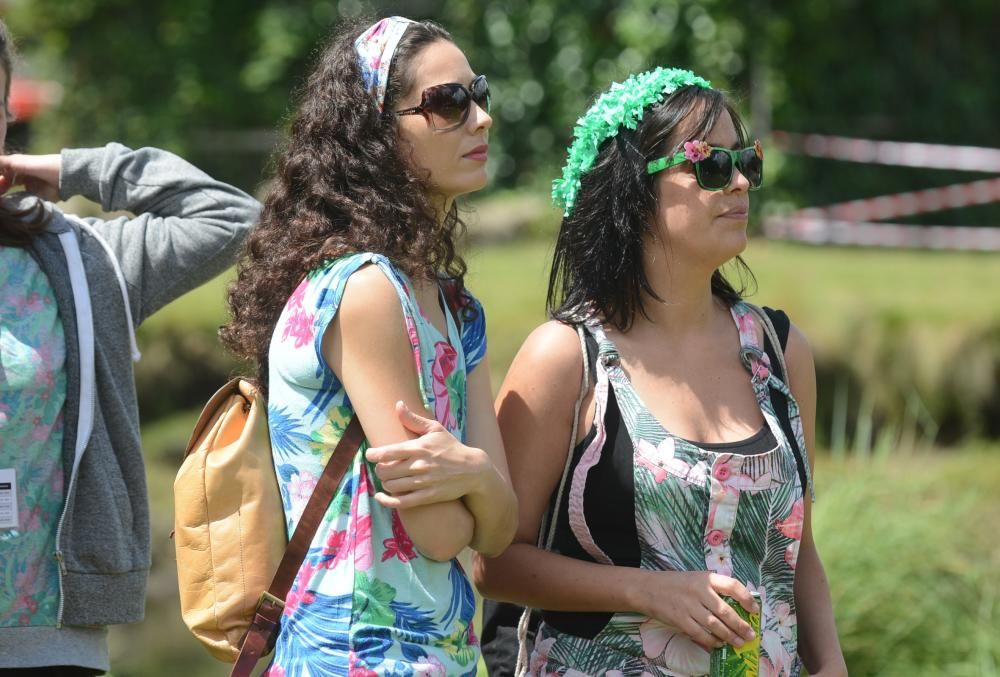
(235, 563)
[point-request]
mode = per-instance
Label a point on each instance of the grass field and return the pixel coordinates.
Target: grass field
(830, 293)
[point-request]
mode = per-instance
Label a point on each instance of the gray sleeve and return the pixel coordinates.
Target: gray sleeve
(186, 229)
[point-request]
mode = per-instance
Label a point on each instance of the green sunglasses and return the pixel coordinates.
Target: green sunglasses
(713, 166)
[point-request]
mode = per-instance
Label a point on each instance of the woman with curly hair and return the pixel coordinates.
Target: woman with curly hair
(680, 489)
(350, 300)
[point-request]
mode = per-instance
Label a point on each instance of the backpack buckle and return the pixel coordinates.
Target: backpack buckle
(756, 362)
(270, 599)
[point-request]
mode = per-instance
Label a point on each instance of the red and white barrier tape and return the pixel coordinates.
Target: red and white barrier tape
(901, 153)
(831, 231)
(916, 202)
(850, 222)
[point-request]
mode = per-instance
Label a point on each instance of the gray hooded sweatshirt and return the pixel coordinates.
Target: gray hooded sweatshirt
(188, 229)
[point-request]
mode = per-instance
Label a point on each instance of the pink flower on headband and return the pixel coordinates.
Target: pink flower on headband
(696, 150)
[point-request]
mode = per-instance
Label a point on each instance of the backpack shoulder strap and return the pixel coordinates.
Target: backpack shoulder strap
(781, 325)
(263, 629)
(776, 327)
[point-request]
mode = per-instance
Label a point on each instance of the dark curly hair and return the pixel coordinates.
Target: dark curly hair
(343, 183)
(597, 266)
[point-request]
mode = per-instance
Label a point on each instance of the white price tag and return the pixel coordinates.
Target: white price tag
(8, 498)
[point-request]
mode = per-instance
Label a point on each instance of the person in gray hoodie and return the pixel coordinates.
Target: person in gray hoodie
(74, 513)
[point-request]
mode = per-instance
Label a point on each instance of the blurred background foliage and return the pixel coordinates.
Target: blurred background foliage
(211, 80)
(907, 343)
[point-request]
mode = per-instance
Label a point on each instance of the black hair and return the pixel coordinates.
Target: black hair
(597, 267)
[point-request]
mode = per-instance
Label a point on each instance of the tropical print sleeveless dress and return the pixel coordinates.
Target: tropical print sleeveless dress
(365, 602)
(695, 510)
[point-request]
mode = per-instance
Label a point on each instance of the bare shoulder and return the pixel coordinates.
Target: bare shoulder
(801, 368)
(798, 351)
(552, 350)
(543, 380)
(370, 302)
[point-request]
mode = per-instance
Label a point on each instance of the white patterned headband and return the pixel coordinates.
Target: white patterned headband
(375, 48)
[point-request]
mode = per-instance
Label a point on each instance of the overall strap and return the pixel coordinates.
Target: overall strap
(769, 369)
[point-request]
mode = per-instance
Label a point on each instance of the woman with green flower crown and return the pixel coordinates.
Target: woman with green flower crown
(686, 477)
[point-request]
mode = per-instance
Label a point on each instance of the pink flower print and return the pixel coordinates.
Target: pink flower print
(780, 663)
(540, 656)
(695, 151)
(4, 414)
(792, 553)
(661, 459)
(411, 331)
(274, 671)
(361, 543)
(357, 668)
(301, 594)
(429, 666)
(40, 433)
(297, 299)
(299, 326)
(748, 483)
(785, 621)
(792, 525)
(715, 538)
(472, 638)
(722, 472)
(719, 561)
(34, 520)
(333, 550)
(364, 487)
(300, 488)
(766, 668)
(445, 361)
(400, 544)
(746, 326)
(674, 649)
(34, 303)
(25, 580)
(761, 367)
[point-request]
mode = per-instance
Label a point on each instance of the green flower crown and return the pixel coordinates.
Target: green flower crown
(622, 105)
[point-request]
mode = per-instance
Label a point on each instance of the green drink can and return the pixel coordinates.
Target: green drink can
(729, 661)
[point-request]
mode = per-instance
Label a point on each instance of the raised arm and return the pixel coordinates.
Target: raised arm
(184, 227)
(818, 642)
(535, 413)
(368, 347)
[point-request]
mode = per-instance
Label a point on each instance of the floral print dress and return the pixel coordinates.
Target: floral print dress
(365, 602)
(32, 394)
(695, 510)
